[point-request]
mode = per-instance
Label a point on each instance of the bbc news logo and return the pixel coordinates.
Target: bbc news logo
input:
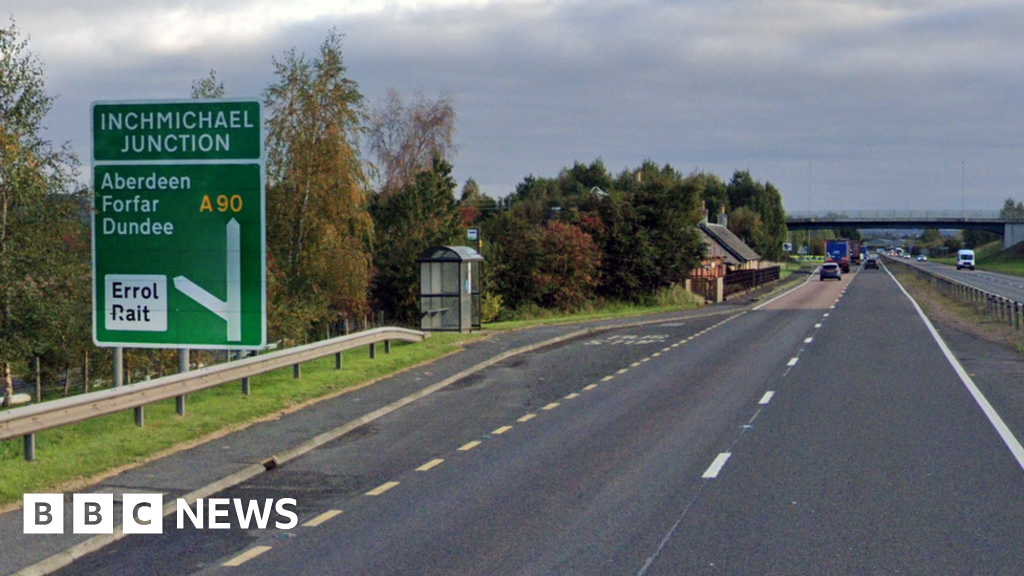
(143, 513)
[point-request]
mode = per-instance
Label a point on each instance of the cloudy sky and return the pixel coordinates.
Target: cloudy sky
(868, 105)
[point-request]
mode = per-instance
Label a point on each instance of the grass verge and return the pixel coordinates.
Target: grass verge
(81, 454)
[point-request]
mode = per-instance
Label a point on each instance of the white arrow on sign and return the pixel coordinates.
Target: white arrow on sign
(231, 310)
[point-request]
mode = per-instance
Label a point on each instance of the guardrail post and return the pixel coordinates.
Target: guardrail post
(140, 416)
(387, 346)
(297, 371)
(373, 351)
(245, 386)
(1016, 315)
(337, 361)
(30, 447)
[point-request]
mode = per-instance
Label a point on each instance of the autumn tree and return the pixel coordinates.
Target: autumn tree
(567, 272)
(43, 252)
(319, 232)
(404, 138)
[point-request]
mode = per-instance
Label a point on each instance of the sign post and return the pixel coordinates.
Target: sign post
(178, 224)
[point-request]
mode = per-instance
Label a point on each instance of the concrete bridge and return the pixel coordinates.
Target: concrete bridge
(1011, 229)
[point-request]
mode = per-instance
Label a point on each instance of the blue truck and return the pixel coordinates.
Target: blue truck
(838, 250)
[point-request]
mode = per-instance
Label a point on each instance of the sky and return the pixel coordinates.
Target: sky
(862, 105)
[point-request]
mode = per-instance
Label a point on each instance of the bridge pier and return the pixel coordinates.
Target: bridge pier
(1012, 234)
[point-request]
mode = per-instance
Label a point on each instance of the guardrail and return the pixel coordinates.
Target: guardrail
(1002, 308)
(28, 420)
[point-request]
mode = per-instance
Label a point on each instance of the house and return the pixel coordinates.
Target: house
(726, 252)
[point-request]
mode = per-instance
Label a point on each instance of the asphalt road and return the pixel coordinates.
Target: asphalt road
(825, 433)
(1004, 285)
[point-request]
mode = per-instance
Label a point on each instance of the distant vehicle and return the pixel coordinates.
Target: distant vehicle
(838, 250)
(831, 270)
(922, 258)
(871, 264)
(965, 259)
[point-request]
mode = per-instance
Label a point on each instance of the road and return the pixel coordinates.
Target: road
(824, 433)
(1011, 287)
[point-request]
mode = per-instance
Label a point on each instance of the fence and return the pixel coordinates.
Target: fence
(743, 280)
(1004, 309)
(26, 421)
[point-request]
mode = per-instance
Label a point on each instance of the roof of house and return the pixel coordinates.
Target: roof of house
(731, 243)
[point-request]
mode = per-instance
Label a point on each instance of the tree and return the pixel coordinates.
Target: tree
(318, 227)
(1012, 210)
(408, 222)
(208, 88)
(766, 201)
(566, 275)
(405, 138)
(42, 254)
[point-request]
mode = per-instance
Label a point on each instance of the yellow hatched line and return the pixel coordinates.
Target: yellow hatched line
(246, 556)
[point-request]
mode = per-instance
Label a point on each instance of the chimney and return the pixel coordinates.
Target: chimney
(704, 213)
(723, 218)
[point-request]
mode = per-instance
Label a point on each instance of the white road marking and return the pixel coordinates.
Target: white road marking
(817, 325)
(767, 397)
(808, 340)
(993, 417)
(792, 361)
(716, 466)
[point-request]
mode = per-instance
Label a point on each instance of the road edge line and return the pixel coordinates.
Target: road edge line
(990, 412)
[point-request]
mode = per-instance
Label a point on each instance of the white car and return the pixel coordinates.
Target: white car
(922, 258)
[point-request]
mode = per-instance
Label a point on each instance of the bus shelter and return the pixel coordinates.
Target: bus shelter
(450, 289)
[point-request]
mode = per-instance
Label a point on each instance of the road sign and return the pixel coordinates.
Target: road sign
(178, 224)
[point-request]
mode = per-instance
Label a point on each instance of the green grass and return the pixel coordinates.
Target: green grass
(993, 258)
(72, 455)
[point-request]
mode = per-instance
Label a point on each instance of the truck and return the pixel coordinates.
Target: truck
(855, 252)
(838, 250)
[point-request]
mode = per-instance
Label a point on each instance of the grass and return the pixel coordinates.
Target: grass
(993, 258)
(80, 454)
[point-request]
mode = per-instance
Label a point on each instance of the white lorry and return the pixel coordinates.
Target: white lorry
(965, 259)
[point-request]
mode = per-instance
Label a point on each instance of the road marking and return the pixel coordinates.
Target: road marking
(590, 387)
(676, 345)
(808, 340)
(551, 406)
(666, 349)
(767, 397)
(634, 364)
(469, 445)
(826, 315)
(571, 396)
(831, 307)
(529, 417)
(501, 430)
(623, 371)
(382, 488)
(246, 556)
(656, 354)
(648, 359)
(792, 361)
(322, 518)
(716, 466)
(817, 325)
(433, 463)
(607, 378)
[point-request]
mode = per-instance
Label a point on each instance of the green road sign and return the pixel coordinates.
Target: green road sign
(178, 225)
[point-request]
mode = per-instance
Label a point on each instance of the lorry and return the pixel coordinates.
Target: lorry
(855, 252)
(838, 250)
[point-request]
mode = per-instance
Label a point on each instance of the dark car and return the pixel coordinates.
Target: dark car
(871, 264)
(831, 270)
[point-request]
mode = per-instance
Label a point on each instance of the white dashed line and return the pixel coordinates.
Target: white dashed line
(767, 397)
(717, 465)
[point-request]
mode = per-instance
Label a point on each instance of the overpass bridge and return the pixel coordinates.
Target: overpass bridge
(1011, 229)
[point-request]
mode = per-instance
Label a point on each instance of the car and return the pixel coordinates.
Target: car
(922, 258)
(830, 270)
(871, 264)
